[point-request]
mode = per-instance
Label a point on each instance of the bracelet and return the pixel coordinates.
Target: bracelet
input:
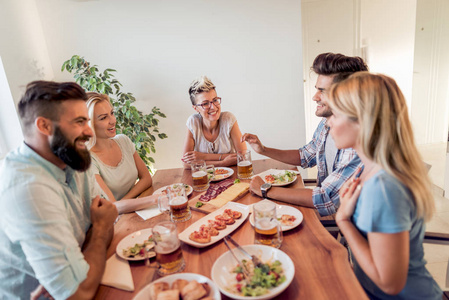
(220, 157)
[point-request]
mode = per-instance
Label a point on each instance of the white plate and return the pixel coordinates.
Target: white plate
(189, 189)
(144, 294)
(283, 210)
(223, 278)
(244, 209)
(224, 176)
(276, 172)
(137, 237)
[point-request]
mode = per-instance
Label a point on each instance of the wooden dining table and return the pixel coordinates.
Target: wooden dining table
(322, 268)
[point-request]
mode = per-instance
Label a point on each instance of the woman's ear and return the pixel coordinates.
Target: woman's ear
(44, 125)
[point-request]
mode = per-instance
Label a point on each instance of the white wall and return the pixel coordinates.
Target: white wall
(25, 58)
(328, 26)
(22, 46)
(430, 107)
(10, 133)
(250, 49)
(388, 32)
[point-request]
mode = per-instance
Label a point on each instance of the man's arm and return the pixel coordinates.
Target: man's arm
(301, 197)
(291, 157)
(103, 215)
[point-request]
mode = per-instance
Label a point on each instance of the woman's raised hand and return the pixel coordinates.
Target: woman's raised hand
(349, 194)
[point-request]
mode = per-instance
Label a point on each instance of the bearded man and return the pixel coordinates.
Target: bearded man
(49, 201)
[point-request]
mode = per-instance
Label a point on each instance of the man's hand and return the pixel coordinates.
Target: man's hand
(40, 291)
(190, 156)
(254, 142)
(349, 194)
(255, 185)
(103, 214)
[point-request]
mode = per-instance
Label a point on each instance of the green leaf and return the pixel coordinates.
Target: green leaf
(151, 159)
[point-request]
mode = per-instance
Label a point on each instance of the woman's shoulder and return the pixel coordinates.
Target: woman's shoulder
(386, 188)
(227, 115)
(124, 141)
(193, 121)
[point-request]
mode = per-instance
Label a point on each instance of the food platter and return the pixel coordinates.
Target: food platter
(284, 210)
(218, 177)
(223, 277)
(244, 209)
(277, 172)
(214, 293)
(130, 240)
(189, 189)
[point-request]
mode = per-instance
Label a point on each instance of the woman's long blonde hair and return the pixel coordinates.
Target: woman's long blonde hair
(92, 99)
(378, 105)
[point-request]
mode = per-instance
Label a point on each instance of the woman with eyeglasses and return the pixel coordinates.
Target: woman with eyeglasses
(212, 135)
(384, 207)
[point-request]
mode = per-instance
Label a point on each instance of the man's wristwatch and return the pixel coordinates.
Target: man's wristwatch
(264, 189)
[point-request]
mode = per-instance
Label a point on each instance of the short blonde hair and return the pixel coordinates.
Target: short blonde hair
(200, 85)
(92, 99)
(386, 136)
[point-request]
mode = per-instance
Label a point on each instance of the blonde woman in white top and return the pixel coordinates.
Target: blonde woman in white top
(212, 135)
(115, 162)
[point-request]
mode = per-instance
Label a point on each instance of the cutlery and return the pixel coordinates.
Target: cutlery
(244, 270)
(255, 259)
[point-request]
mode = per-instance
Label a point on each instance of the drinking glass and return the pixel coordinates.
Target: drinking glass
(168, 248)
(244, 164)
(162, 203)
(267, 229)
(200, 175)
(178, 203)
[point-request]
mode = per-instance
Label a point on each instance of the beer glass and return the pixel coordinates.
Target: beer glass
(244, 165)
(178, 203)
(199, 175)
(168, 248)
(267, 229)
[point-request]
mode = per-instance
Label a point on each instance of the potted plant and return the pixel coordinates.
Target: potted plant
(141, 128)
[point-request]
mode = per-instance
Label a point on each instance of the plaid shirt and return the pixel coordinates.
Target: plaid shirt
(325, 196)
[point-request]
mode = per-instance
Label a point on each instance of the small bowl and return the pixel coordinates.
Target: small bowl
(222, 276)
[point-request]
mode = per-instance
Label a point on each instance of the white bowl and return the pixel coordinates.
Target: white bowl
(144, 294)
(222, 275)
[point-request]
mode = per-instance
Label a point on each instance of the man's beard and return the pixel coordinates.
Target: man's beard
(77, 159)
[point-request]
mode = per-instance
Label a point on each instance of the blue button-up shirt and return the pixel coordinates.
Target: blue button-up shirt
(325, 196)
(45, 216)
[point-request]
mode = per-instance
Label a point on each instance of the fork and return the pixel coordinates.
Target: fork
(255, 259)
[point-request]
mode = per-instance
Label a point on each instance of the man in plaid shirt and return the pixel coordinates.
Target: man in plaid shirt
(335, 166)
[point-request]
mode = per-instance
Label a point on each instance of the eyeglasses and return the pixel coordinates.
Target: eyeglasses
(207, 104)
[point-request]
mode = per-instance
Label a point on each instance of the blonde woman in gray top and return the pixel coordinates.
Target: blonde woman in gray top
(212, 135)
(115, 162)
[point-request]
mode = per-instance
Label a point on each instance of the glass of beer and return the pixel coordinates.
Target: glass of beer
(266, 226)
(168, 248)
(200, 175)
(244, 165)
(178, 203)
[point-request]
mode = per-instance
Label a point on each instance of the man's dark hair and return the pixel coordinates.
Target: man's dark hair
(43, 99)
(342, 66)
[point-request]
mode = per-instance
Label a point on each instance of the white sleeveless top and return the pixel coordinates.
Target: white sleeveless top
(121, 178)
(222, 144)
